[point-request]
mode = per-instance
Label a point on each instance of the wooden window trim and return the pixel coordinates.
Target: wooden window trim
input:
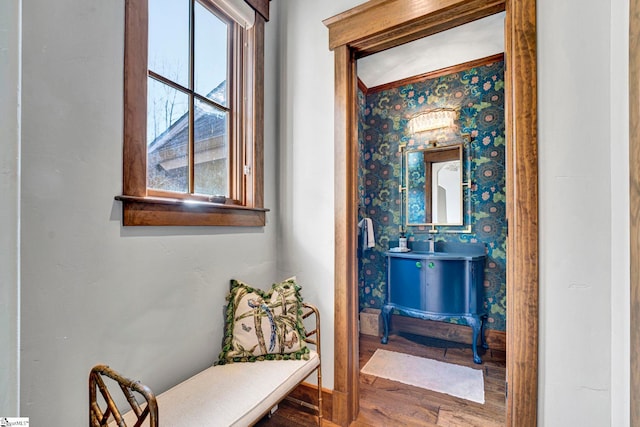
(139, 208)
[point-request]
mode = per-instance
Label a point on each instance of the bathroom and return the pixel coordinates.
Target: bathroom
(473, 87)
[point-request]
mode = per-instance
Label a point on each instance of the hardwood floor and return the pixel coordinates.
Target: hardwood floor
(385, 403)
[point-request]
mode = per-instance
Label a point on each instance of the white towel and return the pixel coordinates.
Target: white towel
(368, 237)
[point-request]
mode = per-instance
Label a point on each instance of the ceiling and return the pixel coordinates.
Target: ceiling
(475, 40)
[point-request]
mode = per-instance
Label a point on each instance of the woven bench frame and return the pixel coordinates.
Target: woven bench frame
(102, 416)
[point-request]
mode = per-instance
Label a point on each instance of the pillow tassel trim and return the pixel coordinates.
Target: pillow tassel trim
(264, 325)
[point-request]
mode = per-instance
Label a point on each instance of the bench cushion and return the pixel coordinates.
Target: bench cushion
(235, 394)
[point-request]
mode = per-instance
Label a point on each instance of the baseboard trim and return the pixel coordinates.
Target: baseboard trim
(309, 393)
(497, 340)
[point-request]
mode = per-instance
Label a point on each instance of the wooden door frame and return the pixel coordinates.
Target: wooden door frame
(634, 206)
(381, 24)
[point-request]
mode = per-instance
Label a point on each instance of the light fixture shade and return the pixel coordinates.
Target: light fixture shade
(433, 119)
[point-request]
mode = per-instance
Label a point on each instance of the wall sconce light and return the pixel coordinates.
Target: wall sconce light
(433, 119)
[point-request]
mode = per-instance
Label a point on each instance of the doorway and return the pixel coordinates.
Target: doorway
(461, 70)
(376, 26)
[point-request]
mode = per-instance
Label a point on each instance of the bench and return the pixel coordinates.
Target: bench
(234, 394)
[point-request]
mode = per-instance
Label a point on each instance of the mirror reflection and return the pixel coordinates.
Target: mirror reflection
(434, 186)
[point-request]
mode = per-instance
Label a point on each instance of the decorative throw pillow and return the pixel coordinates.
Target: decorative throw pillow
(264, 325)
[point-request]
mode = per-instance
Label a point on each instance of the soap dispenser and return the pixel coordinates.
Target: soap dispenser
(402, 241)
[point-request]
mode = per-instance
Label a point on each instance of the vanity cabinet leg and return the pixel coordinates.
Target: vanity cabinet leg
(386, 318)
(474, 322)
(483, 335)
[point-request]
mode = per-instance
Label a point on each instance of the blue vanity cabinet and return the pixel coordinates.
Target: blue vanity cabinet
(436, 286)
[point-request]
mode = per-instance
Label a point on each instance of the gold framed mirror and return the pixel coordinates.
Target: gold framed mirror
(434, 179)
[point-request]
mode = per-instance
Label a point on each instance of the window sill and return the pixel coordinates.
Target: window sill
(159, 211)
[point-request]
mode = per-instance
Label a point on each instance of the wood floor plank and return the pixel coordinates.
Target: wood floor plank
(389, 403)
(453, 418)
(390, 396)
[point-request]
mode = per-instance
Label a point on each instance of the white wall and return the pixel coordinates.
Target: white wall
(620, 258)
(9, 220)
(147, 301)
(306, 181)
(583, 213)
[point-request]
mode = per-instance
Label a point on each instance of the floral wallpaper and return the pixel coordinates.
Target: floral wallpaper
(478, 93)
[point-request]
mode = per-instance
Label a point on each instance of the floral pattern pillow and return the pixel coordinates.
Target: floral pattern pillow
(264, 325)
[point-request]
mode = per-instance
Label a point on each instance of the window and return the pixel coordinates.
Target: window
(193, 113)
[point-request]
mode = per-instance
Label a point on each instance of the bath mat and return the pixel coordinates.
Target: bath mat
(454, 380)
